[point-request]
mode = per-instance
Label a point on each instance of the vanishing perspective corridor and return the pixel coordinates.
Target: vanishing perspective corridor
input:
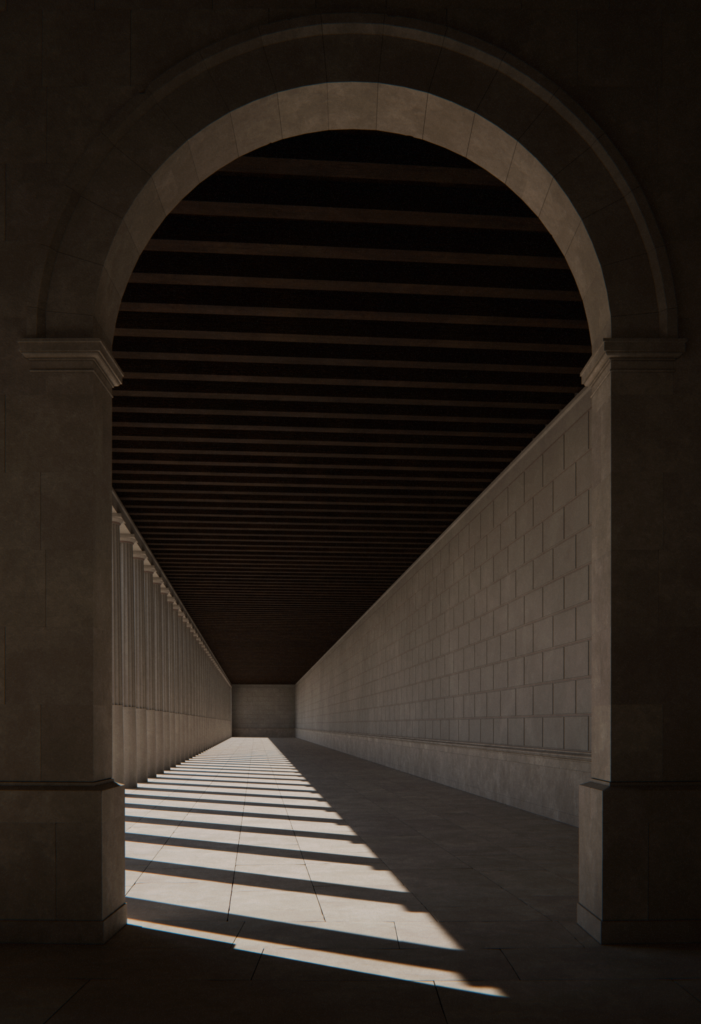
(281, 881)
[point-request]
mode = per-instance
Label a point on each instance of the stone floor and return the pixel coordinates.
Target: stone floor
(277, 881)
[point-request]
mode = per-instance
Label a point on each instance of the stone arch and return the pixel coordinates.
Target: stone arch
(315, 75)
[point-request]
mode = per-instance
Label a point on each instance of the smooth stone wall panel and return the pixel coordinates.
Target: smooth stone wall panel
(263, 710)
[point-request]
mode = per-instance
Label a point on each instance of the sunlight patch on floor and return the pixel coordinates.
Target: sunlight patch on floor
(239, 838)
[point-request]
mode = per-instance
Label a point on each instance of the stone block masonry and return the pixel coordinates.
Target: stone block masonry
(263, 710)
(473, 668)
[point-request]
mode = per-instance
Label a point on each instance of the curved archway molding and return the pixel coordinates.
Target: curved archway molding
(446, 89)
(632, 488)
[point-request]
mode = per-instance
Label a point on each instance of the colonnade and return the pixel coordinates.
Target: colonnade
(170, 698)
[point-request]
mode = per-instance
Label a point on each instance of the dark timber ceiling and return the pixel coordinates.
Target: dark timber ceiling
(330, 348)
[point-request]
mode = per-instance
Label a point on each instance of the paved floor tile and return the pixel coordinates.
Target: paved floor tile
(605, 1002)
(35, 1003)
(279, 881)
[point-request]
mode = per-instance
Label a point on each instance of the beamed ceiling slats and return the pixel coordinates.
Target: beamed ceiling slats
(330, 348)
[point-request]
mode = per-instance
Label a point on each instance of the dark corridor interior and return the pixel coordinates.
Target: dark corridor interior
(330, 348)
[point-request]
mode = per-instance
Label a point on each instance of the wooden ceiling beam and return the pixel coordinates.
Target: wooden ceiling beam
(361, 315)
(350, 382)
(386, 401)
(168, 533)
(194, 455)
(316, 520)
(250, 546)
(306, 360)
(161, 429)
(328, 252)
(357, 215)
(392, 364)
(233, 498)
(433, 456)
(375, 287)
(353, 339)
(249, 489)
(166, 432)
(306, 414)
(388, 473)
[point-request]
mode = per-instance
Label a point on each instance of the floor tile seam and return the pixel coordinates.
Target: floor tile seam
(145, 870)
(679, 984)
(503, 951)
(304, 860)
(498, 884)
(301, 853)
(148, 819)
(440, 1002)
(64, 1004)
(298, 850)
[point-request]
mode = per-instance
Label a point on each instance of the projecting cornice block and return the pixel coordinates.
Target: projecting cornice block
(71, 355)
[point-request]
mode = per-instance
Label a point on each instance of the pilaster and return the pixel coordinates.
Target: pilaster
(126, 562)
(117, 694)
(61, 814)
(639, 816)
(140, 667)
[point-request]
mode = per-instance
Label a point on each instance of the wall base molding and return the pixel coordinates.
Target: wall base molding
(540, 781)
(638, 933)
(83, 932)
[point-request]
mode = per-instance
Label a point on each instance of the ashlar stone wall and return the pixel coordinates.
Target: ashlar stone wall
(259, 709)
(473, 669)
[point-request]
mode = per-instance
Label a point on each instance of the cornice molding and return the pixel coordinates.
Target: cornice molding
(647, 355)
(73, 355)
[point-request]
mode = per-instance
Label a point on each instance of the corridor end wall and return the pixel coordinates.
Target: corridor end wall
(472, 670)
(259, 709)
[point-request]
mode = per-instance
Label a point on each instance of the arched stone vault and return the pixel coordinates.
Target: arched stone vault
(639, 835)
(315, 75)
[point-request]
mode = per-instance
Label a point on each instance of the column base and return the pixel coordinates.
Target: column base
(62, 932)
(638, 862)
(638, 933)
(62, 849)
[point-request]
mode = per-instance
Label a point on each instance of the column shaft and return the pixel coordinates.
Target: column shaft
(61, 814)
(640, 820)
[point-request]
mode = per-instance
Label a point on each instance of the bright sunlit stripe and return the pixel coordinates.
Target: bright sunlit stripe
(261, 804)
(340, 961)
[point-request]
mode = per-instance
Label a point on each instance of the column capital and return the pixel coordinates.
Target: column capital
(70, 355)
(125, 536)
(656, 355)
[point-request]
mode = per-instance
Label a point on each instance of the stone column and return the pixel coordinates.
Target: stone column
(640, 816)
(190, 695)
(61, 813)
(126, 562)
(149, 670)
(182, 725)
(141, 755)
(174, 665)
(117, 694)
(169, 760)
(159, 763)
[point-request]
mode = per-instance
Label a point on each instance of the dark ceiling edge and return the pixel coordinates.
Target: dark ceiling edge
(583, 397)
(118, 505)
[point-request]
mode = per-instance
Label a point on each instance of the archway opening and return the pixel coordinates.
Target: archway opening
(331, 347)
